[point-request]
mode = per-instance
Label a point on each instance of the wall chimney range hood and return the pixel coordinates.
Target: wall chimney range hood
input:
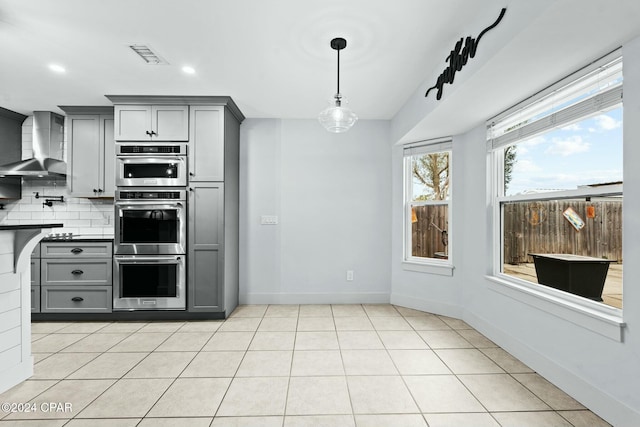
(48, 132)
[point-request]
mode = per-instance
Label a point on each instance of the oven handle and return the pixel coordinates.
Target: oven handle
(155, 259)
(147, 205)
(127, 158)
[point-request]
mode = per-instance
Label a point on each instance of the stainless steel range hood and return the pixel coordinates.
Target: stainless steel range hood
(48, 132)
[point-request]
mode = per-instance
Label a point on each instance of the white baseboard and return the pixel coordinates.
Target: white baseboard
(16, 374)
(434, 307)
(604, 405)
(316, 298)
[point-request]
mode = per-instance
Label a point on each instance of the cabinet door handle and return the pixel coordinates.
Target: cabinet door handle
(76, 251)
(77, 299)
(153, 132)
(190, 173)
(148, 133)
(95, 191)
(77, 272)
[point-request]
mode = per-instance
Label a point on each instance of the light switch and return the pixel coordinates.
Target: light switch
(269, 220)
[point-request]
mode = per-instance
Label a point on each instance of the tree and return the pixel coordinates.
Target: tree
(509, 162)
(432, 171)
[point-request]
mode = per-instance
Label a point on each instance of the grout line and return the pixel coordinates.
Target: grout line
(368, 316)
(344, 369)
(286, 394)
(239, 364)
(404, 382)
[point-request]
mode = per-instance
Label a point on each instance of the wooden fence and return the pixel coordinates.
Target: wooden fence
(533, 227)
(426, 239)
(540, 227)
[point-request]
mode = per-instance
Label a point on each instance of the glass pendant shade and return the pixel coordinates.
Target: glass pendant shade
(337, 118)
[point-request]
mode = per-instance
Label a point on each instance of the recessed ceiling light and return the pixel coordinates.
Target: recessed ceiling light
(57, 68)
(188, 70)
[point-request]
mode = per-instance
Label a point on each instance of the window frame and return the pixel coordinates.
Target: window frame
(426, 264)
(596, 316)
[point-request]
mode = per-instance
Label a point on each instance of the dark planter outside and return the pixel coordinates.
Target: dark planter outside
(579, 275)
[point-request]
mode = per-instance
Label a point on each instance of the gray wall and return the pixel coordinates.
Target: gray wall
(332, 195)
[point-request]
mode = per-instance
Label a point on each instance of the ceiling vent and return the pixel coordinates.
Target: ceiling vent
(147, 54)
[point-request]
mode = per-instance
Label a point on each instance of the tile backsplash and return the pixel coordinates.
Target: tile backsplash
(79, 215)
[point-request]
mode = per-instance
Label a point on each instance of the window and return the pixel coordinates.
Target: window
(427, 172)
(557, 187)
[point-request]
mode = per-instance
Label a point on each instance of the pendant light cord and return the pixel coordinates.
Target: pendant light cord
(338, 70)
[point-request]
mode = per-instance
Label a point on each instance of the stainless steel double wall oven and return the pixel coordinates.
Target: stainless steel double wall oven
(150, 236)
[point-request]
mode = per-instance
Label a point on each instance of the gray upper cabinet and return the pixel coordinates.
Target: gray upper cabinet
(213, 135)
(91, 151)
(151, 123)
(206, 145)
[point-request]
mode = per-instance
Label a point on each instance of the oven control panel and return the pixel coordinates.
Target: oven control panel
(151, 195)
(129, 149)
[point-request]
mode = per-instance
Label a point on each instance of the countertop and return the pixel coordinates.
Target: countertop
(29, 226)
(80, 238)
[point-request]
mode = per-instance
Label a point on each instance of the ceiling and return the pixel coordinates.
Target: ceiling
(273, 57)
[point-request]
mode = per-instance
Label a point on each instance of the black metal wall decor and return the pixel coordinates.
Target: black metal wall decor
(459, 57)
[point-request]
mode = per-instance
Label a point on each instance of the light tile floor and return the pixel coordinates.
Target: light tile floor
(284, 365)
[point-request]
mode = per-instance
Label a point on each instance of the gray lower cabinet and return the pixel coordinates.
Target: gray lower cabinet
(35, 299)
(75, 249)
(205, 248)
(35, 271)
(76, 277)
(35, 280)
(76, 299)
(63, 271)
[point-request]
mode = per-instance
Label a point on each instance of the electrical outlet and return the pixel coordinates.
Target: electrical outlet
(269, 220)
(349, 275)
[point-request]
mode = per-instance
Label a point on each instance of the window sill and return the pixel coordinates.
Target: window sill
(604, 321)
(441, 269)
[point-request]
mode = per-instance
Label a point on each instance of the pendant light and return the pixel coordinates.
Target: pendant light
(337, 118)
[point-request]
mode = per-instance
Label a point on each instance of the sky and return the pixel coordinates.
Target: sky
(585, 152)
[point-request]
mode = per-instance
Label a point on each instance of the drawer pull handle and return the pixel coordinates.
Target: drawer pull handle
(76, 251)
(76, 272)
(77, 299)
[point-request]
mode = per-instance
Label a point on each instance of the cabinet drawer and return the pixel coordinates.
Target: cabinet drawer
(61, 271)
(76, 250)
(35, 299)
(68, 299)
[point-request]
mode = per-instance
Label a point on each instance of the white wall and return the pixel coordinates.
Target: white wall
(600, 372)
(428, 292)
(332, 195)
